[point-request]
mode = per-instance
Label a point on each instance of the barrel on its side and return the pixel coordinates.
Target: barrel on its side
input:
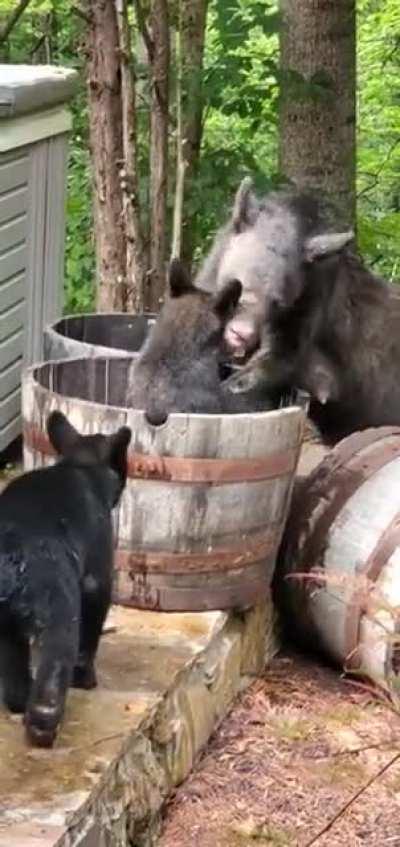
(338, 573)
(113, 334)
(207, 496)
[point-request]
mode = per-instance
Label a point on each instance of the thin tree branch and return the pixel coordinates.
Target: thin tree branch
(352, 800)
(37, 46)
(383, 164)
(80, 13)
(13, 20)
(143, 29)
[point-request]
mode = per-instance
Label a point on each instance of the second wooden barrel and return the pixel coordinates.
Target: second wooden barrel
(96, 335)
(207, 496)
(338, 572)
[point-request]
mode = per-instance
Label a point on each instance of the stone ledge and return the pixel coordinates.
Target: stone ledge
(165, 682)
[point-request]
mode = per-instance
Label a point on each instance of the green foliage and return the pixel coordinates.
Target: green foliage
(378, 164)
(240, 83)
(48, 33)
(240, 117)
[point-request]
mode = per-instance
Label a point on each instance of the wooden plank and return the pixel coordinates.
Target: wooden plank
(13, 262)
(13, 174)
(12, 232)
(14, 204)
(12, 320)
(216, 436)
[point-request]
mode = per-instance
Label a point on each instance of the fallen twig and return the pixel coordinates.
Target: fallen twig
(352, 800)
(380, 745)
(378, 693)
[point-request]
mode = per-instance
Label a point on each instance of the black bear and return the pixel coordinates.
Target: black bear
(56, 559)
(179, 368)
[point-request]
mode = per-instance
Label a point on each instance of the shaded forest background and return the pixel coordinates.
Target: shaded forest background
(238, 122)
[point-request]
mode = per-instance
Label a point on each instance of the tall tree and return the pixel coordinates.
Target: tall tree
(318, 99)
(105, 122)
(111, 94)
(190, 51)
(134, 259)
(156, 37)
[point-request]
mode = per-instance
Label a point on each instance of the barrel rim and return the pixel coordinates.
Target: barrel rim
(29, 380)
(95, 315)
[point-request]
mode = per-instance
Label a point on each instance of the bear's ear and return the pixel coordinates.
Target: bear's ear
(246, 207)
(227, 299)
(118, 446)
(63, 436)
(178, 279)
(320, 246)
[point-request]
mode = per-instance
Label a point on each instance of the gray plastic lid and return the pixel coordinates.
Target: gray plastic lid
(29, 88)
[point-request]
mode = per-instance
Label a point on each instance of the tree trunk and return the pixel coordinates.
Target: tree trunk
(192, 25)
(159, 125)
(318, 99)
(105, 122)
(134, 270)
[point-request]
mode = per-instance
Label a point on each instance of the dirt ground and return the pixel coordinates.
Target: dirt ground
(296, 763)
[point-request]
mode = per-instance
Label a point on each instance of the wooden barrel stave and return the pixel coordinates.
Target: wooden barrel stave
(187, 493)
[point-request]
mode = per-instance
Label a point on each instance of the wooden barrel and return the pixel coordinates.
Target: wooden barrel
(338, 572)
(206, 500)
(76, 336)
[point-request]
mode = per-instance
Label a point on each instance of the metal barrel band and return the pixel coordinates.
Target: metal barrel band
(170, 595)
(242, 555)
(187, 470)
(371, 570)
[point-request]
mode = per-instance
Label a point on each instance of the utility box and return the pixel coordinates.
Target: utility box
(34, 127)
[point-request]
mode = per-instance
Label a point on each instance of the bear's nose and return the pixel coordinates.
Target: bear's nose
(156, 417)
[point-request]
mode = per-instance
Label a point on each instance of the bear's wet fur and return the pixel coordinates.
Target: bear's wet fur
(56, 560)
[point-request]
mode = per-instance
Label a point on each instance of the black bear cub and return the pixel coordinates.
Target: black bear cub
(56, 559)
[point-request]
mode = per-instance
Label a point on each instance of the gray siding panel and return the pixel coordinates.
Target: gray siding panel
(10, 432)
(13, 204)
(32, 233)
(14, 155)
(12, 262)
(10, 378)
(12, 292)
(15, 169)
(13, 174)
(11, 348)
(12, 321)
(10, 407)
(12, 232)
